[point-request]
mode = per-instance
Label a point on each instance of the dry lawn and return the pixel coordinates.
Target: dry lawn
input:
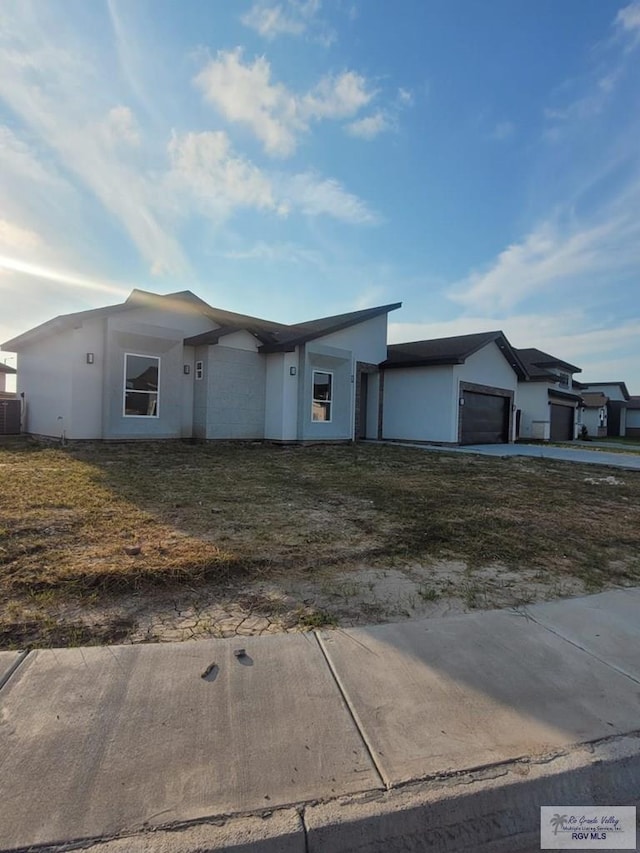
(95, 524)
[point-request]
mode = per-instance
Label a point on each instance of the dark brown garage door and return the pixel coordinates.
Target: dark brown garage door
(561, 423)
(485, 419)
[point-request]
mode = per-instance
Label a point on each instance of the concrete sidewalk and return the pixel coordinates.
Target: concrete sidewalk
(442, 735)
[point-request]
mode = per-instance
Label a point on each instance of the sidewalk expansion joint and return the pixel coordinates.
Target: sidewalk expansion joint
(14, 666)
(384, 781)
(560, 636)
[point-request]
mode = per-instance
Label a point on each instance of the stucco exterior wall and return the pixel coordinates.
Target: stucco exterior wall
(86, 380)
(281, 398)
(367, 341)
(418, 404)
(159, 333)
(236, 384)
(591, 420)
(45, 374)
(200, 392)
(533, 402)
(339, 362)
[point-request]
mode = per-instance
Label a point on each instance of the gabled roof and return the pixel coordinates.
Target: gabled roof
(455, 350)
(621, 386)
(274, 337)
(5, 368)
(540, 364)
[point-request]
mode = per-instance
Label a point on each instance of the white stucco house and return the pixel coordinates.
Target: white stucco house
(166, 367)
(594, 413)
(457, 390)
(549, 402)
(617, 402)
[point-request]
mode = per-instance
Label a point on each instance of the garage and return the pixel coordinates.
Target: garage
(562, 418)
(485, 418)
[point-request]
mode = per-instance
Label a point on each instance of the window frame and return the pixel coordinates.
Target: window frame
(199, 370)
(125, 389)
(329, 401)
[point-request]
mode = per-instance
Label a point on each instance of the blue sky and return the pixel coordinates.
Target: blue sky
(478, 161)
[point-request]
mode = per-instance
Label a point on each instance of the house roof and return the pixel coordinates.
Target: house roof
(5, 368)
(633, 403)
(621, 386)
(540, 364)
(274, 337)
(136, 299)
(564, 395)
(455, 350)
(289, 337)
(594, 400)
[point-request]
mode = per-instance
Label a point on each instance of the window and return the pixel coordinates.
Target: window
(141, 386)
(564, 380)
(322, 396)
(199, 369)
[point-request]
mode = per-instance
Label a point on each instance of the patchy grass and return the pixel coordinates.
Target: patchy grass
(89, 521)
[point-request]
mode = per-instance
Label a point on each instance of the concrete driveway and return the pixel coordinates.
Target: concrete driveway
(565, 454)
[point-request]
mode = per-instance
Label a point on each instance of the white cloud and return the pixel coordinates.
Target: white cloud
(629, 17)
(316, 196)
(121, 127)
(245, 93)
(337, 97)
(276, 253)
(289, 18)
(15, 238)
(204, 165)
(405, 97)
(59, 93)
(370, 126)
(206, 171)
(552, 258)
(293, 17)
(503, 130)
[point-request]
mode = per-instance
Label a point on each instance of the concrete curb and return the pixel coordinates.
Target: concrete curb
(494, 810)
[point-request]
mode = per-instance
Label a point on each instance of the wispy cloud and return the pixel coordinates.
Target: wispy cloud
(244, 93)
(314, 195)
(289, 18)
(503, 130)
(554, 258)
(53, 87)
(208, 173)
(370, 126)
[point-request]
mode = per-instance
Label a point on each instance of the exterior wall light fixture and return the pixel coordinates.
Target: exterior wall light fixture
(186, 369)
(90, 358)
(293, 370)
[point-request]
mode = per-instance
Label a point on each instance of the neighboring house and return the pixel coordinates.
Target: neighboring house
(548, 402)
(594, 413)
(10, 406)
(175, 367)
(618, 398)
(459, 390)
(633, 418)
